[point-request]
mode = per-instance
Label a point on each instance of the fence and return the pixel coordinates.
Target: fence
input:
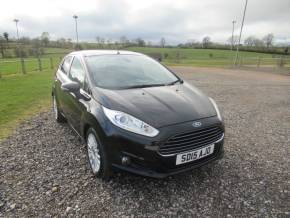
(282, 61)
(25, 65)
(274, 62)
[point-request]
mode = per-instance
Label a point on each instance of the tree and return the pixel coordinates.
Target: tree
(100, 42)
(258, 43)
(140, 42)
(61, 42)
(25, 40)
(2, 46)
(233, 40)
(98, 39)
(250, 41)
(268, 40)
(162, 42)
(206, 42)
(6, 36)
(124, 41)
(45, 38)
(69, 43)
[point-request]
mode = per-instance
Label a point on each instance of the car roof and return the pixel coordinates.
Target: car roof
(86, 53)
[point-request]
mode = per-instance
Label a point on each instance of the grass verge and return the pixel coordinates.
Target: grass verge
(21, 96)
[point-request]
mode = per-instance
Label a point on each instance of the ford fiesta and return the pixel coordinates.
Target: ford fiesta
(135, 114)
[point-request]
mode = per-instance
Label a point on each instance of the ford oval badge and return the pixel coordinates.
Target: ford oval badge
(196, 124)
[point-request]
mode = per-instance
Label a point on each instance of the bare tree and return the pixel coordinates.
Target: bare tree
(45, 38)
(124, 41)
(25, 40)
(250, 41)
(268, 40)
(6, 36)
(61, 42)
(109, 43)
(102, 42)
(2, 46)
(162, 42)
(140, 42)
(233, 40)
(258, 43)
(206, 42)
(98, 39)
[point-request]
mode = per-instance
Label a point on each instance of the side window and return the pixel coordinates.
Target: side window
(86, 86)
(77, 72)
(66, 64)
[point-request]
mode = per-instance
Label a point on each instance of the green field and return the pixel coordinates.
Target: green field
(209, 57)
(21, 96)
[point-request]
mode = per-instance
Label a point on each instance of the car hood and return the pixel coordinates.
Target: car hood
(158, 106)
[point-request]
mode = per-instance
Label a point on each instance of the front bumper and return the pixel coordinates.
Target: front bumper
(144, 155)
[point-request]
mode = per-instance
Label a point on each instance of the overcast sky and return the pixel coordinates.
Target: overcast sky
(177, 21)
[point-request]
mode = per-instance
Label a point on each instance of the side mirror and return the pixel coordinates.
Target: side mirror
(71, 87)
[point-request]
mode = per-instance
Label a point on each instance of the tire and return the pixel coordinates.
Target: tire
(97, 152)
(57, 114)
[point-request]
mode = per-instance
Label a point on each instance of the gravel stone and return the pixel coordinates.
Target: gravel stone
(44, 170)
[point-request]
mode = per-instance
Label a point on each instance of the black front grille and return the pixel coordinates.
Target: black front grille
(190, 140)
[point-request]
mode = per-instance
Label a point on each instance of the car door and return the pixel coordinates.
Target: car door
(75, 103)
(60, 78)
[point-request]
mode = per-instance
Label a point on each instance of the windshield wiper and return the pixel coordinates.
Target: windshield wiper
(174, 82)
(153, 85)
(144, 86)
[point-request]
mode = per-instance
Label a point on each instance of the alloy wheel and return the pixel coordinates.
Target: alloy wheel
(94, 153)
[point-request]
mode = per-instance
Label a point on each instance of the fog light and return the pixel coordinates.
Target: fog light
(126, 160)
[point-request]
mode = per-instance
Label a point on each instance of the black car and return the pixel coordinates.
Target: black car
(135, 114)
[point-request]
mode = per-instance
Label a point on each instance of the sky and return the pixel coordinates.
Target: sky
(178, 21)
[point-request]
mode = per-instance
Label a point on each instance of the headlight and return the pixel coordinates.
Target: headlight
(130, 123)
(216, 108)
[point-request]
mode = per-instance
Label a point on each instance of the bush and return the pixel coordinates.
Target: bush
(35, 51)
(8, 54)
(20, 52)
(78, 47)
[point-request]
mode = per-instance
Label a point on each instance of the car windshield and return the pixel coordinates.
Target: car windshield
(120, 71)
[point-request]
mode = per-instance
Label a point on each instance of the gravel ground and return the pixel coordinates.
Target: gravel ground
(44, 172)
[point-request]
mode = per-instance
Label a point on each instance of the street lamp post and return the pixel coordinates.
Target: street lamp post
(237, 53)
(77, 35)
(19, 47)
(232, 47)
(16, 23)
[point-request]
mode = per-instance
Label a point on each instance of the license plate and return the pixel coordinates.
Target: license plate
(194, 155)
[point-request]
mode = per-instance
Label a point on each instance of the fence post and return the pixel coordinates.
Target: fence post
(23, 66)
(240, 61)
(177, 57)
(51, 63)
(281, 62)
(259, 62)
(39, 64)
